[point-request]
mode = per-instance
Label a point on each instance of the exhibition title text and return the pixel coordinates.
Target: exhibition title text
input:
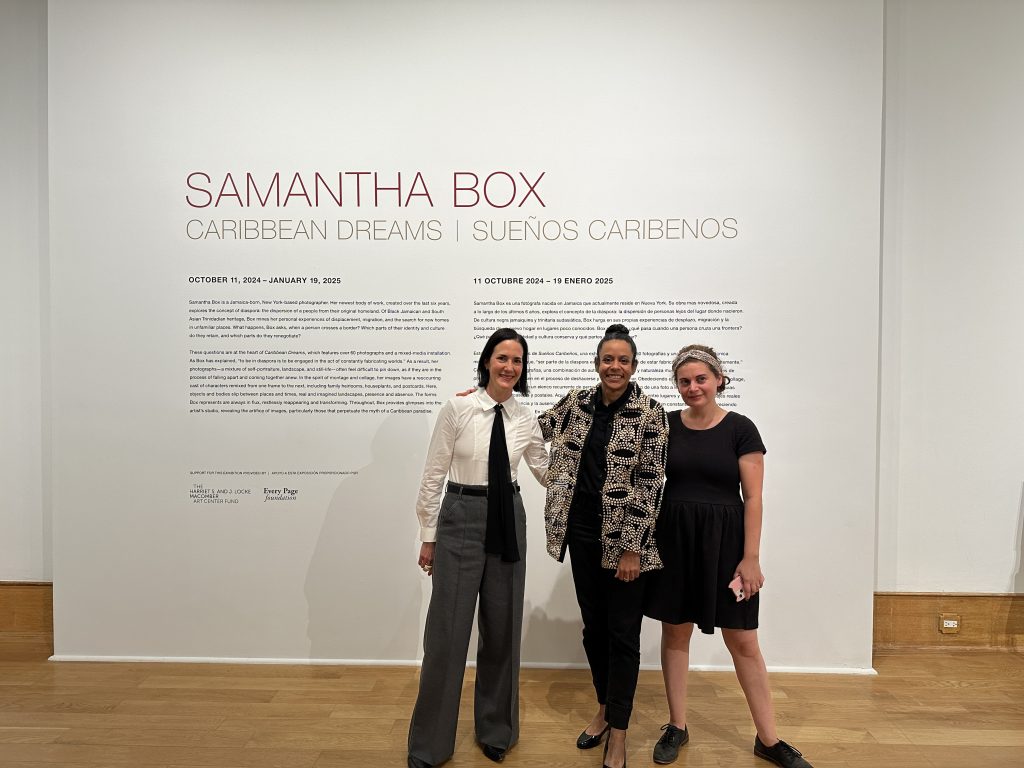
(363, 189)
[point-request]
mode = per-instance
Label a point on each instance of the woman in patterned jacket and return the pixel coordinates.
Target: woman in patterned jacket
(605, 478)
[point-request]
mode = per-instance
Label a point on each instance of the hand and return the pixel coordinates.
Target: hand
(629, 566)
(426, 560)
(749, 572)
(469, 391)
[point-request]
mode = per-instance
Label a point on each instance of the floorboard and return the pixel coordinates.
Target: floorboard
(924, 709)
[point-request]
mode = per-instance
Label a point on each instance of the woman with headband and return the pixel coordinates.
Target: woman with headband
(709, 537)
(474, 545)
(604, 489)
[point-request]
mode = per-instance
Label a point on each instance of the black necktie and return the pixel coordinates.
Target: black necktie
(501, 520)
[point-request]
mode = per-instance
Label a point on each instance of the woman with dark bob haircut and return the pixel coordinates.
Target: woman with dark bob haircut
(474, 545)
(605, 480)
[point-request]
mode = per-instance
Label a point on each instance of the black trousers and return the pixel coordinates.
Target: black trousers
(612, 612)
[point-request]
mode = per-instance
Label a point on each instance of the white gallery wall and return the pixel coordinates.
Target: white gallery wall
(949, 490)
(24, 526)
(711, 171)
(951, 509)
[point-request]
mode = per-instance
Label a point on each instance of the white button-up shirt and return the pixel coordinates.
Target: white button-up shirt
(461, 443)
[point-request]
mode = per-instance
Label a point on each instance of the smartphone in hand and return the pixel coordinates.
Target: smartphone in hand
(737, 588)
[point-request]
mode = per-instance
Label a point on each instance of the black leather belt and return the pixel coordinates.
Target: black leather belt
(473, 490)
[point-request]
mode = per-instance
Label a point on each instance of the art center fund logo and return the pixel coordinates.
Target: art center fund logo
(200, 494)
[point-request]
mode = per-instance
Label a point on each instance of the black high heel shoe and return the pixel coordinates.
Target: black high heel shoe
(589, 741)
(604, 758)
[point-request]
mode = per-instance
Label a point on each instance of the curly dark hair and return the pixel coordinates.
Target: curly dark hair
(616, 331)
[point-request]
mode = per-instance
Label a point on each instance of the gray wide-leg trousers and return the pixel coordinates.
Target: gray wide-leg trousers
(462, 571)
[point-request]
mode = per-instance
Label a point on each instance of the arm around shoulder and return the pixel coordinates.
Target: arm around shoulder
(536, 454)
(550, 418)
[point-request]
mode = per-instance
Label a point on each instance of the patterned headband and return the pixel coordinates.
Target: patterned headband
(696, 354)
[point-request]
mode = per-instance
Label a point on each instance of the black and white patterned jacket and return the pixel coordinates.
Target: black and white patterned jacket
(631, 495)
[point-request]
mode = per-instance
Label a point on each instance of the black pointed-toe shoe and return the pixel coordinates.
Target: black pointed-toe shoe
(604, 759)
(495, 754)
(415, 762)
(589, 741)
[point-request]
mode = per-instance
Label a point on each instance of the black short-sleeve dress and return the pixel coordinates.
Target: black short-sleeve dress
(700, 527)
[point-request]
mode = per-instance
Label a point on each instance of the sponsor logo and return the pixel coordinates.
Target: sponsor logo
(201, 494)
(280, 494)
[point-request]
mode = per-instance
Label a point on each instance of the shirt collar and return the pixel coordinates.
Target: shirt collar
(486, 403)
(614, 405)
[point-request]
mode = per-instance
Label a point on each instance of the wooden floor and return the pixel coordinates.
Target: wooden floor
(923, 710)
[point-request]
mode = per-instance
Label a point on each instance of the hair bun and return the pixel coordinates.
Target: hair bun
(617, 328)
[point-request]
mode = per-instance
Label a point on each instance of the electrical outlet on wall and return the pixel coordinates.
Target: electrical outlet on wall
(949, 623)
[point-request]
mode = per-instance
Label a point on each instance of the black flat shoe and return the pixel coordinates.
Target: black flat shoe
(493, 753)
(589, 741)
(780, 753)
(415, 762)
(667, 749)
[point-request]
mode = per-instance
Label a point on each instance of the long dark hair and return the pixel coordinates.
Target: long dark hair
(483, 375)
